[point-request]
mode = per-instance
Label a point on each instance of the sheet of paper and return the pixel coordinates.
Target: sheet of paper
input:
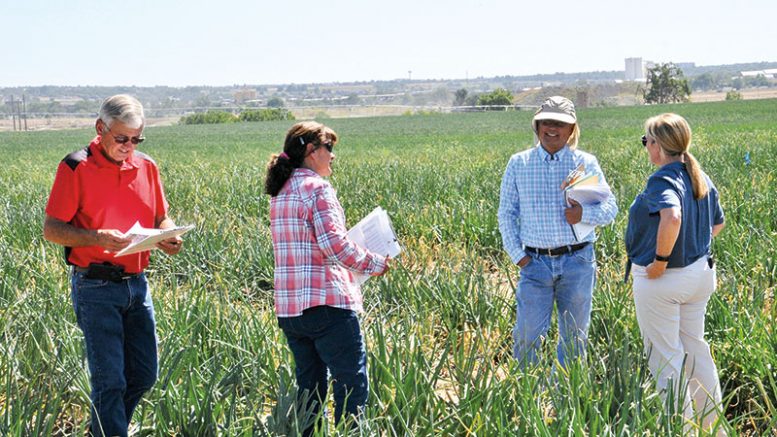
(586, 191)
(146, 238)
(375, 233)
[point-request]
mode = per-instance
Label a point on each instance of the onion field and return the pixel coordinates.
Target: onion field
(438, 325)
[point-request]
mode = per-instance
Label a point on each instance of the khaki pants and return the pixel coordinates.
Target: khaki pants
(670, 312)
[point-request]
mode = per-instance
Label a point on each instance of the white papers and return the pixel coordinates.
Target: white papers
(146, 239)
(375, 233)
(586, 190)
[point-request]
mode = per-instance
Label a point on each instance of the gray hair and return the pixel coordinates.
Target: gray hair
(124, 108)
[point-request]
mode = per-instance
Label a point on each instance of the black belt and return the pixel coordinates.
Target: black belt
(563, 250)
(105, 272)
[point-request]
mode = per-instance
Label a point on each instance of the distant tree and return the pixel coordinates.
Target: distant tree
(705, 81)
(352, 99)
(733, 95)
(275, 102)
(471, 100)
(440, 95)
(498, 97)
(209, 117)
(460, 97)
(758, 81)
(267, 114)
(666, 84)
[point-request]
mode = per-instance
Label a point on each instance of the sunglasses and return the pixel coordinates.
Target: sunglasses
(329, 146)
(123, 139)
(644, 141)
(553, 123)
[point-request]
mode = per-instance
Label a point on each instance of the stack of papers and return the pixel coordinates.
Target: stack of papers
(146, 238)
(586, 189)
(375, 233)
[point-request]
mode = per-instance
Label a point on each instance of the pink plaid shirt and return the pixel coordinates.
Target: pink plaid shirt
(313, 256)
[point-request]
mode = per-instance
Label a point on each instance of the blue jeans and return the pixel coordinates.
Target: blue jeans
(566, 280)
(322, 338)
(117, 319)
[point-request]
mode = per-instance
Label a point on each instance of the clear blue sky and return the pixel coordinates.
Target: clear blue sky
(226, 42)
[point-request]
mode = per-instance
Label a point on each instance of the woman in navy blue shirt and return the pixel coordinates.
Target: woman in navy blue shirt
(668, 240)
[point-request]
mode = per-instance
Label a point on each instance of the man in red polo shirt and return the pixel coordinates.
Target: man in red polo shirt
(98, 194)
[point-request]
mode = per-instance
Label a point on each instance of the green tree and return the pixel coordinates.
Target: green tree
(705, 81)
(498, 97)
(275, 102)
(666, 84)
(733, 95)
(460, 97)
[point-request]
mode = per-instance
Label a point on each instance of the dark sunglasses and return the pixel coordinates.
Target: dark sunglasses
(123, 139)
(644, 141)
(553, 123)
(329, 146)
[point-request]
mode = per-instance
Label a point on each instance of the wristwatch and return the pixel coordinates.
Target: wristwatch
(662, 258)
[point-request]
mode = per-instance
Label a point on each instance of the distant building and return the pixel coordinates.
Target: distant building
(769, 74)
(635, 69)
(244, 95)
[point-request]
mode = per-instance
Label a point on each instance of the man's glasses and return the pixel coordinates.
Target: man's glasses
(123, 139)
(644, 141)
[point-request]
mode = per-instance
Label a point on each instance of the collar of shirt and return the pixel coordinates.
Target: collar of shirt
(304, 171)
(547, 157)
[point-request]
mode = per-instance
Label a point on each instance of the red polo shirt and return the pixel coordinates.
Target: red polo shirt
(91, 192)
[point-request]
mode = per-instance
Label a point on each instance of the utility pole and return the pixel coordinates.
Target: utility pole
(19, 113)
(13, 113)
(24, 106)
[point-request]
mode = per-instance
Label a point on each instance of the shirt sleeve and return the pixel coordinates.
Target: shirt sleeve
(64, 197)
(661, 194)
(509, 214)
(602, 213)
(160, 201)
(717, 211)
(333, 240)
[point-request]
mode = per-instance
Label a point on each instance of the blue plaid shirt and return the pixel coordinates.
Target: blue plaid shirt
(531, 202)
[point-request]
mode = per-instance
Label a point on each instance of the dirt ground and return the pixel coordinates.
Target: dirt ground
(747, 94)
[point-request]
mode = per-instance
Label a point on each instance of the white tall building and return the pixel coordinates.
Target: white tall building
(635, 69)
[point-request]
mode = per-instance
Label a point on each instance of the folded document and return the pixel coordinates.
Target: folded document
(146, 238)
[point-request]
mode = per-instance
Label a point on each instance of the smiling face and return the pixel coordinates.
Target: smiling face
(554, 134)
(114, 150)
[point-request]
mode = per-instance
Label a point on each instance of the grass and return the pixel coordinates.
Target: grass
(437, 327)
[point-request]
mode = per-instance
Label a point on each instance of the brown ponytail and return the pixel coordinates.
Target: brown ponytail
(673, 134)
(282, 165)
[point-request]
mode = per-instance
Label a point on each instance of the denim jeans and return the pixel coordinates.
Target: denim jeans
(322, 338)
(566, 280)
(117, 319)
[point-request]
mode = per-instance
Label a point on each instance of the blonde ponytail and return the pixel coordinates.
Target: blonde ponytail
(699, 183)
(673, 134)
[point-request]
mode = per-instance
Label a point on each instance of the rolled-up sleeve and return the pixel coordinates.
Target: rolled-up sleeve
(332, 237)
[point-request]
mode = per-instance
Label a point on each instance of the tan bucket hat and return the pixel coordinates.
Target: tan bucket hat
(555, 108)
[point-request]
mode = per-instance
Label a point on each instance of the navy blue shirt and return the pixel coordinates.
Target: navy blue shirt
(670, 187)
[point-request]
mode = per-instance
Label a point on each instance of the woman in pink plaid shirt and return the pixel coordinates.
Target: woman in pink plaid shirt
(316, 296)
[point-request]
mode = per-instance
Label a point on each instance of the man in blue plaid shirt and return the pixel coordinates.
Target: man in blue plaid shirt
(535, 223)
